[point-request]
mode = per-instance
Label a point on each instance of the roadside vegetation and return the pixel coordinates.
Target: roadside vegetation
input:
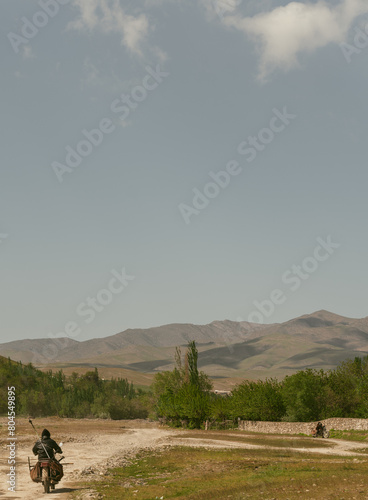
(184, 397)
(40, 394)
(201, 474)
(351, 435)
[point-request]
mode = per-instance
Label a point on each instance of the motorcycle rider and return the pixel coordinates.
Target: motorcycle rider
(319, 429)
(46, 447)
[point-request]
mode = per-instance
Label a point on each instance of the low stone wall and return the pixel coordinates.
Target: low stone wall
(341, 424)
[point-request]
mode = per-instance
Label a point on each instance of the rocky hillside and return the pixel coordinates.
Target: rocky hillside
(227, 348)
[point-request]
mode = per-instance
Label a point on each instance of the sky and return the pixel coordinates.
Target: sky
(168, 161)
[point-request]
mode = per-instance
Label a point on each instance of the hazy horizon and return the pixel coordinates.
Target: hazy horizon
(78, 337)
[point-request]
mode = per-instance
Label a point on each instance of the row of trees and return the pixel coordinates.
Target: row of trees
(184, 395)
(43, 394)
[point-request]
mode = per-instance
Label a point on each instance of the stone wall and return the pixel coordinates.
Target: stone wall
(341, 424)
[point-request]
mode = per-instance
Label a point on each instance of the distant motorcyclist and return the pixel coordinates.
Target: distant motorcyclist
(46, 447)
(320, 431)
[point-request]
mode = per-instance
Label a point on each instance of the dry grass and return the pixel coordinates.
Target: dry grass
(200, 474)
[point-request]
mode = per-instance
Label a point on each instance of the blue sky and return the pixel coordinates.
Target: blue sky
(117, 118)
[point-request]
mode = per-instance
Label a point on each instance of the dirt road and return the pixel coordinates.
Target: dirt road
(93, 446)
(339, 447)
(89, 448)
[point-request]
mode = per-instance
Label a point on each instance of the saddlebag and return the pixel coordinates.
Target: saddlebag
(56, 471)
(36, 473)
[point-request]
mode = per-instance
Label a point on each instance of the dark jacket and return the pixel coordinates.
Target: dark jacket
(50, 446)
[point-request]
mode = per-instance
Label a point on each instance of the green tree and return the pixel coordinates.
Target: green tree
(183, 393)
(348, 389)
(305, 395)
(261, 400)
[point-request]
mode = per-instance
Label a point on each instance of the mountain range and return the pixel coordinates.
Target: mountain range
(228, 350)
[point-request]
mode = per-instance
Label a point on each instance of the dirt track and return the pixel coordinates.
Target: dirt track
(88, 446)
(341, 448)
(92, 446)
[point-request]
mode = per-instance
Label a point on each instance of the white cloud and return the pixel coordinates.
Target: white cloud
(109, 17)
(220, 7)
(283, 33)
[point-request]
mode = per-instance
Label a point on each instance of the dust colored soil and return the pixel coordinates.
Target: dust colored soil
(86, 443)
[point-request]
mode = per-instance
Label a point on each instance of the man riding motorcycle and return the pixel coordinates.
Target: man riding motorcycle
(46, 448)
(48, 470)
(320, 431)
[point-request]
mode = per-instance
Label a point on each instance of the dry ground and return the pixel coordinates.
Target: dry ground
(86, 443)
(91, 446)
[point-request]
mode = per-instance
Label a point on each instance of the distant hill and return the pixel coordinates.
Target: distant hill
(227, 349)
(132, 345)
(318, 340)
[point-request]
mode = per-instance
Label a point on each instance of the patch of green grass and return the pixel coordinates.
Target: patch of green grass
(349, 435)
(361, 450)
(203, 474)
(271, 471)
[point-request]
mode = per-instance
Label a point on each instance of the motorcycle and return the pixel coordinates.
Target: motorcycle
(320, 431)
(51, 473)
(47, 471)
